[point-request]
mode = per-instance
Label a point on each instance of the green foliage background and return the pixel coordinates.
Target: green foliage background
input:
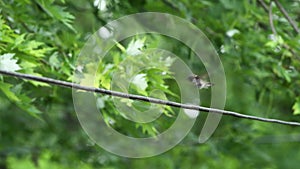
(38, 124)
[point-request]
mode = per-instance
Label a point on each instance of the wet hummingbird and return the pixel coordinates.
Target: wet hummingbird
(199, 81)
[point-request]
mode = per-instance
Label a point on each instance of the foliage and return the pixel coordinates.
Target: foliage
(44, 38)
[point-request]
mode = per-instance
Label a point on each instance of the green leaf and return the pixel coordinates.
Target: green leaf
(147, 129)
(54, 62)
(57, 12)
(296, 107)
(20, 39)
(6, 90)
(27, 105)
(34, 48)
(281, 72)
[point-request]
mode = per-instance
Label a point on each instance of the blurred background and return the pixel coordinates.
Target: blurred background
(258, 43)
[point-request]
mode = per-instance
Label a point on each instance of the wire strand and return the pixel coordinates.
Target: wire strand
(143, 98)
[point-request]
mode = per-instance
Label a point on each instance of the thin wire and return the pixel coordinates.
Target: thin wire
(143, 98)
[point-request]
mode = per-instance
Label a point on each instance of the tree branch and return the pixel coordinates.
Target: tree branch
(264, 5)
(169, 4)
(286, 15)
(271, 19)
(143, 98)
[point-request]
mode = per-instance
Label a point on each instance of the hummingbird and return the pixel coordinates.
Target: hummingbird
(199, 82)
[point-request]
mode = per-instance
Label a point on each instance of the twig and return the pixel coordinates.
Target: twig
(166, 2)
(143, 98)
(271, 20)
(26, 27)
(264, 5)
(177, 9)
(286, 15)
